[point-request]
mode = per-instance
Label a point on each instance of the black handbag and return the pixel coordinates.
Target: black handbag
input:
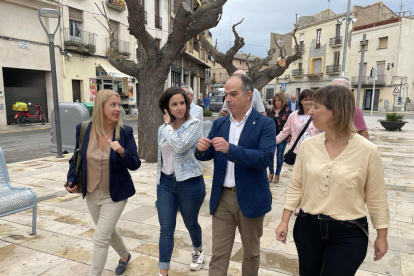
(290, 157)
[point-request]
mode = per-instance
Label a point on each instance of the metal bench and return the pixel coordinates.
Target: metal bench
(15, 199)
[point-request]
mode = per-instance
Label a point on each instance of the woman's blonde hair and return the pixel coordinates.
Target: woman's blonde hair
(98, 117)
(341, 101)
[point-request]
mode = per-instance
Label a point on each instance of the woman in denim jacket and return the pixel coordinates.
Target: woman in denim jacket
(179, 178)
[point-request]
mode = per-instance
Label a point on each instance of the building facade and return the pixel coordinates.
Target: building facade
(321, 41)
(25, 73)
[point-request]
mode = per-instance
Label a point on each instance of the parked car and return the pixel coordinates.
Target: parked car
(216, 102)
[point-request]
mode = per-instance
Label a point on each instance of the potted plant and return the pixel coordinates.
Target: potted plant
(393, 121)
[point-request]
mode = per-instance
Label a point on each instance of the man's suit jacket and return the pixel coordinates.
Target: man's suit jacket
(120, 183)
(252, 156)
(296, 104)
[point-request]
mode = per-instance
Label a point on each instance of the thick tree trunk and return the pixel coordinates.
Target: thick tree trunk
(149, 116)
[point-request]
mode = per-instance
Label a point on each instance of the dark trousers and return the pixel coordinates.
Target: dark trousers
(327, 248)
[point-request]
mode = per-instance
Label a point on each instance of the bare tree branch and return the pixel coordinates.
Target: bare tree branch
(226, 60)
(294, 34)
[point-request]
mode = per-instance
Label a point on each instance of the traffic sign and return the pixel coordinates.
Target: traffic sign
(283, 86)
(396, 90)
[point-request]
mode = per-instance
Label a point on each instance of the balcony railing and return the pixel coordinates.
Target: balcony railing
(335, 41)
(297, 73)
(123, 47)
(79, 41)
(333, 69)
(158, 22)
(366, 80)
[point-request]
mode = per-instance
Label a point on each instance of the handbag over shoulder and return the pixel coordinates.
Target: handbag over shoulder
(290, 156)
(78, 156)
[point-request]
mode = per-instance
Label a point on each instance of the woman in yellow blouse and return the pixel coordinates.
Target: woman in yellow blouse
(336, 174)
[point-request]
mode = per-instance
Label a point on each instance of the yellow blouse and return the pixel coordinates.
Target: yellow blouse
(339, 188)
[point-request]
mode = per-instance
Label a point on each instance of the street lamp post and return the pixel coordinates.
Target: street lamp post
(346, 38)
(51, 13)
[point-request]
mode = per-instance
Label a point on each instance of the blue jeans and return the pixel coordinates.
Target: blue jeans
(280, 150)
(188, 195)
(206, 107)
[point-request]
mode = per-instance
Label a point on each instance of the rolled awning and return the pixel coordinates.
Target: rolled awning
(112, 71)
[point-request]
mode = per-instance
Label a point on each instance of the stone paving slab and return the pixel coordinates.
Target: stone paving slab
(63, 245)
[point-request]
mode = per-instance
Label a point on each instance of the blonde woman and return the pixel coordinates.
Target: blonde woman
(108, 151)
(336, 174)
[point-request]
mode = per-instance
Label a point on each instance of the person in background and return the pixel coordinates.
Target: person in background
(336, 174)
(297, 121)
(206, 101)
(257, 102)
(293, 104)
(195, 110)
(279, 113)
(107, 146)
(359, 121)
(180, 182)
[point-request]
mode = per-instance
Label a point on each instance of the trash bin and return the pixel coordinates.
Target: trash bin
(72, 114)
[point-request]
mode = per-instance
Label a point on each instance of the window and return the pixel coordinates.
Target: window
(383, 43)
(240, 62)
(220, 74)
(318, 38)
(114, 28)
(300, 66)
(297, 92)
(366, 45)
(269, 93)
(75, 23)
(302, 38)
(158, 43)
(336, 58)
(338, 30)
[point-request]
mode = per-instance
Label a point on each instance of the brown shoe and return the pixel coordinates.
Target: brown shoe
(271, 177)
(276, 179)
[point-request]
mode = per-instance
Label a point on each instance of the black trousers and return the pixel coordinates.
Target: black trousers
(329, 248)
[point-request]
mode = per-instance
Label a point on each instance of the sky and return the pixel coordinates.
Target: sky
(261, 17)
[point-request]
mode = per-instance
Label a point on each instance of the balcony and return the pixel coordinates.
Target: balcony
(123, 47)
(367, 81)
(297, 73)
(158, 22)
(117, 5)
(335, 41)
(80, 41)
(333, 69)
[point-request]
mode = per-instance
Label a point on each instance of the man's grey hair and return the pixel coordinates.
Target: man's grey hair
(343, 82)
(247, 84)
(189, 89)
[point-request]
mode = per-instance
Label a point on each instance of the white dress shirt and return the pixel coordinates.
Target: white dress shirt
(257, 102)
(236, 129)
(196, 112)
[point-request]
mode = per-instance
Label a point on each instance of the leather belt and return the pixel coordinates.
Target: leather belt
(328, 218)
(233, 189)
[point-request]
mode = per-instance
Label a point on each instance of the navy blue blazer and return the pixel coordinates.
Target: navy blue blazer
(252, 157)
(120, 183)
(296, 104)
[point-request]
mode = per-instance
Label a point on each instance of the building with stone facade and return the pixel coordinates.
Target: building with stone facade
(321, 39)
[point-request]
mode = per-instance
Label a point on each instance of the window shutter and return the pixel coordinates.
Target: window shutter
(75, 15)
(383, 42)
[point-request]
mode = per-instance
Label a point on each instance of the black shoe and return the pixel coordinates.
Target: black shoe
(122, 266)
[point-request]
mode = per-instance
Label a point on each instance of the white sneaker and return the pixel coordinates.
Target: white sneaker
(198, 258)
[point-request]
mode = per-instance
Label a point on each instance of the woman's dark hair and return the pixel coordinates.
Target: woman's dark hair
(307, 93)
(281, 97)
(166, 97)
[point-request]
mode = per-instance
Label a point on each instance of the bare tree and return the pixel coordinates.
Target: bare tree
(260, 77)
(153, 65)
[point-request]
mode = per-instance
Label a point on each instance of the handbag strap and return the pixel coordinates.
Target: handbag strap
(301, 133)
(84, 126)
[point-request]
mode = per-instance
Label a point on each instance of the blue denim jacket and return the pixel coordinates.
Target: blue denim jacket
(183, 142)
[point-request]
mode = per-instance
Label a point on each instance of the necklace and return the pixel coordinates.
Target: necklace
(339, 152)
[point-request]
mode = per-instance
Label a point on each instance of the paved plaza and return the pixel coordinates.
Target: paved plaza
(63, 244)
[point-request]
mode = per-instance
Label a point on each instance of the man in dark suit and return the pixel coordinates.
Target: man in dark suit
(242, 146)
(293, 104)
